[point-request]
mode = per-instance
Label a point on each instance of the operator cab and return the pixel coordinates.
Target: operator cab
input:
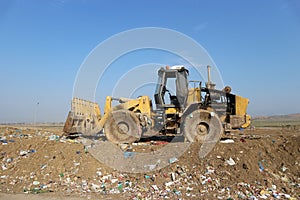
(176, 75)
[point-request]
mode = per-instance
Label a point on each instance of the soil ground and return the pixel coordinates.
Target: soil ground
(41, 163)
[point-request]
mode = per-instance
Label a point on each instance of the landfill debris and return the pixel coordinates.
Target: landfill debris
(155, 187)
(99, 173)
(283, 168)
(173, 176)
(124, 146)
(172, 160)
(242, 140)
(34, 164)
(53, 137)
(227, 141)
(128, 154)
(36, 183)
(9, 160)
(4, 167)
(160, 143)
(152, 166)
(261, 168)
(32, 151)
(120, 186)
(43, 166)
(206, 180)
(3, 141)
(23, 153)
(168, 184)
(209, 170)
(230, 161)
(95, 187)
(189, 188)
(86, 148)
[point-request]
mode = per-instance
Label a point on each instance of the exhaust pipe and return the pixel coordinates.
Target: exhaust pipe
(208, 74)
(209, 84)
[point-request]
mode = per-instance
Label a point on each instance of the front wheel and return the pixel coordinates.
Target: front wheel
(122, 126)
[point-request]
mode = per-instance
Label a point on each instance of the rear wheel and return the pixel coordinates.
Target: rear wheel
(122, 126)
(201, 125)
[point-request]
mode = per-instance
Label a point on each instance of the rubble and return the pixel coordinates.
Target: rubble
(255, 169)
(230, 161)
(172, 160)
(227, 141)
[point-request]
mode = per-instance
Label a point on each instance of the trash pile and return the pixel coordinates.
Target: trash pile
(244, 166)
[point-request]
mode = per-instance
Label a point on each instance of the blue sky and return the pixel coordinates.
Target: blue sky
(255, 44)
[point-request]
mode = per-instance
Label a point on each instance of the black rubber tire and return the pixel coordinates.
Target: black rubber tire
(122, 126)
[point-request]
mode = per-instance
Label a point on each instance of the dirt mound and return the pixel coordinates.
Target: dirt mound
(246, 165)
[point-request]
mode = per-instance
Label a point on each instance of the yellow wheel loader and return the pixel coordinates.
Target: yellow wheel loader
(195, 113)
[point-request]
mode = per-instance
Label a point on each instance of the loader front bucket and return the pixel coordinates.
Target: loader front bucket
(83, 118)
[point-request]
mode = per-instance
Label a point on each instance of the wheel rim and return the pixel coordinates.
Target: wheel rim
(123, 127)
(202, 129)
